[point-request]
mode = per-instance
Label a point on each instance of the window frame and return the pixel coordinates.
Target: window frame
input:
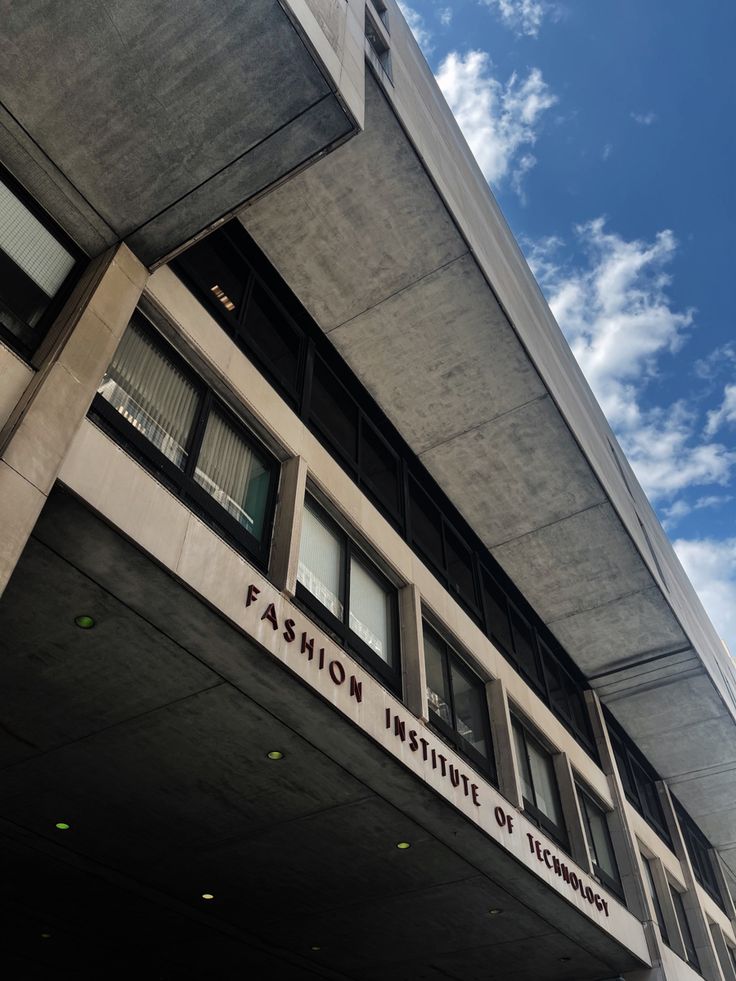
(656, 900)
(57, 301)
(633, 762)
(586, 800)
(484, 765)
(390, 675)
(537, 816)
(683, 925)
(699, 850)
(181, 480)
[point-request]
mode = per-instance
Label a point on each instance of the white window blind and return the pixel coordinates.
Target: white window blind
(370, 616)
(31, 246)
(320, 562)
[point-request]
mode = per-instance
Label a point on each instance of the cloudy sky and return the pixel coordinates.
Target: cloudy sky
(605, 129)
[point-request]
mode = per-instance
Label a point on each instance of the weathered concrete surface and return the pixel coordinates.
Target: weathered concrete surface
(116, 113)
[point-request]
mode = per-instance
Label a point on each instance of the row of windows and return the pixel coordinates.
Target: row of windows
(698, 848)
(678, 904)
(165, 414)
(256, 308)
(38, 267)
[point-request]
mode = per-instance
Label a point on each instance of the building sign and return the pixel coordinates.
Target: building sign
(327, 667)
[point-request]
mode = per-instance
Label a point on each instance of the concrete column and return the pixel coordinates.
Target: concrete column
(724, 954)
(503, 743)
(728, 905)
(71, 362)
(702, 939)
(572, 812)
(412, 651)
(287, 530)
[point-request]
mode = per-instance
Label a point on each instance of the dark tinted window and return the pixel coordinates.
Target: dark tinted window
(426, 525)
(496, 612)
(379, 468)
(460, 569)
(525, 646)
(270, 332)
(334, 411)
(213, 267)
(685, 932)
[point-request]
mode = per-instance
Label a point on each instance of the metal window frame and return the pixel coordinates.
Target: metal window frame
(587, 800)
(559, 833)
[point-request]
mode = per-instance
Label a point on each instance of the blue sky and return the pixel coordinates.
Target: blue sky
(605, 129)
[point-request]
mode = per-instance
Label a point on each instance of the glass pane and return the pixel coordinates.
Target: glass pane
(233, 474)
(274, 338)
(426, 525)
(215, 268)
(525, 775)
(544, 782)
(524, 645)
(334, 410)
(459, 568)
(471, 711)
(497, 616)
(601, 840)
(321, 562)
(437, 693)
(623, 768)
(687, 937)
(152, 393)
(370, 611)
(648, 795)
(649, 880)
(379, 466)
(33, 266)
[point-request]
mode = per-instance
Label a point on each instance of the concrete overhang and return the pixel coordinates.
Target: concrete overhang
(405, 261)
(148, 121)
(148, 735)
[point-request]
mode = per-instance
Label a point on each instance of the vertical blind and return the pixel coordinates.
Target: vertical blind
(150, 392)
(320, 562)
(232, 474)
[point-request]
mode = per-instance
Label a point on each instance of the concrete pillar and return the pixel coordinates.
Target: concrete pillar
(287, 532)
(572, 812)
(503, 743)
(70, 364)
(724, 954)
(412, 650)
(709, 966)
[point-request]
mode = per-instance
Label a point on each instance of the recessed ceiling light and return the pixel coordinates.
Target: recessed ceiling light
(316, 948)
(403, 845)
(84, 621)
(45, 936)
(275, 754)
(207, 895)
(62, 825)
(495, 912)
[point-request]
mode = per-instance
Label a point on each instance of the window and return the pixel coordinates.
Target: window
(377, 43)
(457, 702)
(539, 785)
(698, 848)
(598, 836)
(654, 898)
(691, 954)
(351, 596)
(151, 398)
(380, 8)
(37, 265)
(638, 779)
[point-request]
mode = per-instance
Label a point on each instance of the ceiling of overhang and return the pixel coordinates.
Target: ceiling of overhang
(148, 735)
(150, 119)
(383, 269)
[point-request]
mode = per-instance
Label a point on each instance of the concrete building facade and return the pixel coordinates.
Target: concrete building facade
(339, 639)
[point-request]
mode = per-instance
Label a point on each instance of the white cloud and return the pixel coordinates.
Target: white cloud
(522, 16)
(500, 122)
(725, 414)
(618, 317)
(681, 508)
(644, 118)
(606, 151)
(711, 567)
(445, 16)
(721, 359)
(419, 29)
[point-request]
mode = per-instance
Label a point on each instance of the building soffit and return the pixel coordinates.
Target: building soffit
(403, 258)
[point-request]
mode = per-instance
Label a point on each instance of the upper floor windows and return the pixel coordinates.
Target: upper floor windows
(350, 595)
(37, 266)
(457, 702)
(154, 401)
(539, 788)
(698, 848)
(691, 954)
(600, 846)
(244, 293)
(638, 779)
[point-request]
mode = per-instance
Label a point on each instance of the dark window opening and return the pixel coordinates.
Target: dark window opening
(699, 850)
(654, 896)
(377, 43)
(638, 778)
(600, 845)
(458, 708)
(39, 265)
(691, 954)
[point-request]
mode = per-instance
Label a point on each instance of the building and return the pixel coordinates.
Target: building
(339, 639)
